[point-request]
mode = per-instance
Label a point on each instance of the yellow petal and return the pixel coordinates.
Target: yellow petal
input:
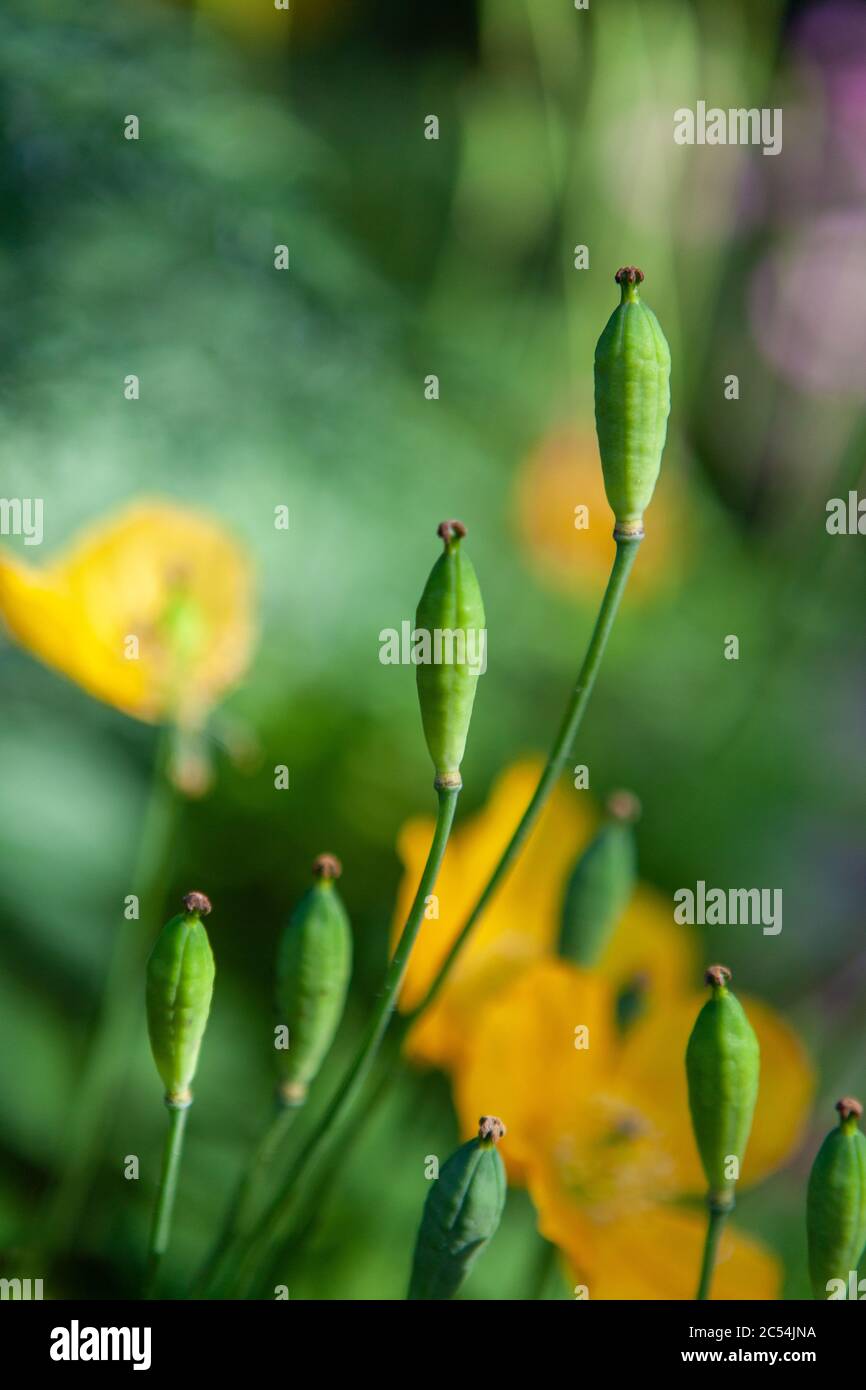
(649, 946)
(652, 1070)
(523, 1064)
(654, 1254)
(563, 472)
(164, 575)
(39, 614)
(519, 925)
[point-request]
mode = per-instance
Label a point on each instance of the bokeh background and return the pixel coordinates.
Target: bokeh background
(305, 388)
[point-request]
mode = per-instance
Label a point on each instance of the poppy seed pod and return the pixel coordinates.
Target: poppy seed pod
(836, 1204)
(314, 963)
(632, 403)
(450, 653)
(601, 884)
(723, 1067)
(180, 976)
(461, 1214)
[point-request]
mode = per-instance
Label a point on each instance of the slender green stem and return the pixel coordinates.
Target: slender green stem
(160, 1230)
(272, 1222)
(715, 1222)
(560, 753)
(117, 1022)
(307, 1220)
(252, 1184)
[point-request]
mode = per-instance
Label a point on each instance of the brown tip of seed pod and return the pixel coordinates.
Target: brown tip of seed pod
(630, 274)
(198, 903)
(849, 1107)
(491, 1129)
(327, 866)
(717, 975)
(623, 806)
(450, 531)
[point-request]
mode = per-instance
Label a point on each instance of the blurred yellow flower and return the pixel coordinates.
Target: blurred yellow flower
(601, 1132)
(518, 924)
(149, 610)
(563, 472)
(649, 952)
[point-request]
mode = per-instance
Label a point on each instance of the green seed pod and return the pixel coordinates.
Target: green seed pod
(632, 403)
(451, 651)
(836, 1203)
(461, 1214)
(180, 975)
(314, 963)
(601, 884)
(723, 1066)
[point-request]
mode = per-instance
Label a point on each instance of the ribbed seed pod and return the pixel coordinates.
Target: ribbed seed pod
(601, 884)
(836, 1203)
(723, 1067)
(461, 1214)
(314, 963)
(451, 613)
(632, 403)
(180, 976)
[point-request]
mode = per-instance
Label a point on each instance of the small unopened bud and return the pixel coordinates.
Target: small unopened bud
(632, 403)
(450, 652)
(461, 1214)
(314, 963)
(836, 1204)
(723, 1068)
(180, 976)
(601, 884)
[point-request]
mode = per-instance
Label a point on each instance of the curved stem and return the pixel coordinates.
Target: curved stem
(715, 1222)
(160, 1231)
(251, 1182)
(306, 1220)
(626, 550)
(271, 1223)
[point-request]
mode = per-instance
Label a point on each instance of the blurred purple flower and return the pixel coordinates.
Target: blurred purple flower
(829, 40)
(807, 305)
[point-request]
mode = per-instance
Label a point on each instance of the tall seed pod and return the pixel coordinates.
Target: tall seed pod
(632, 403)
(451, 613)
(723, 1067)
(180, 976)
(601, 884)
(314, 963)
(836, 1202)
(461, 1214)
